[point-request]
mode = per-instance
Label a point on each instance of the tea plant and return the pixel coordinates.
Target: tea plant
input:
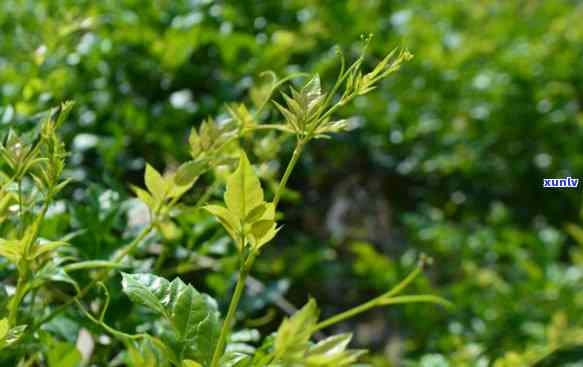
(190, 330)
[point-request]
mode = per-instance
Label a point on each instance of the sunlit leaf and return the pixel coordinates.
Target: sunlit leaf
(193, 316)
(155, 183)
(244, 191)
(294, 333)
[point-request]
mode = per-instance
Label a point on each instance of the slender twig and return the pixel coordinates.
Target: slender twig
(290, 167)
(229, 319)
(383, 299)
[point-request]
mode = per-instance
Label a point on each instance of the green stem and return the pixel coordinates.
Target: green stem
(383, 299)
(18, 296)
(347, 314)
(24, 267)
(229, 319)
(290, 167)
(20, 207)
(161, 258)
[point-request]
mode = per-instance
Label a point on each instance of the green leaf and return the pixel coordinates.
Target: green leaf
(156, 184)
(190, 363)
(294, 334)
(228, 220)
(46, 247)
(262, 232)
(244, 191)
(188, 172)
(12, 250)
(62, 354)
(145, 197)
(240, 113)
(332, 352)
(264, 229)
(256, 214)
(146, 353)
(313, 90)
(11, 336)
(193, 316)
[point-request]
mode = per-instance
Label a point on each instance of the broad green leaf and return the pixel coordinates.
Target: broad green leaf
(244, 191)
(193, 316)
(156, 184)
(294, 334)
(147, 354)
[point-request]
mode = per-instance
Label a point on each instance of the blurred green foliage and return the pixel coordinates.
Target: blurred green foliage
(448, 157)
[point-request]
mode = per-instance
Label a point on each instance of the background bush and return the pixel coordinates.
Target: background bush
(447, 159)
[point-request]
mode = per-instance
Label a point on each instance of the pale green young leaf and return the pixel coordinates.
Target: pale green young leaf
(331, 345)
(256, 214)
(262, 232)
(332, 352)
(313, 92)
(231, 223)
(12, 336)
(46, 247)
(144, 196)
(190, 363)
(189, 171)
(244, 191)
(11, 250)
(156, 184)
(177, 188)
(240, 113)
(193, 316)
(294, 334)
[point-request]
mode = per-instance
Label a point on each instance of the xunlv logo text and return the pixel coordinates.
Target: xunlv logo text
(560, 182)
